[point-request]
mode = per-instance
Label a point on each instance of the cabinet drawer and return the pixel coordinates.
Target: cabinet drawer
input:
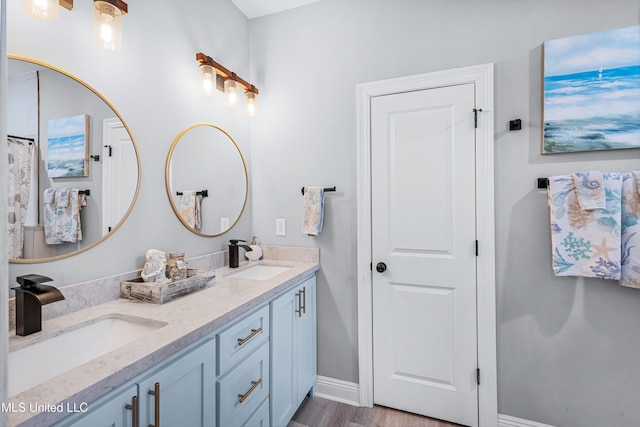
(260, 418)
(244, 388)
(243, 337)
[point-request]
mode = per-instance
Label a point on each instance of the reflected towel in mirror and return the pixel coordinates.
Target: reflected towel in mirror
(190, 208)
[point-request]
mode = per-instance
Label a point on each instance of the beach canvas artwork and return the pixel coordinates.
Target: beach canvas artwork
(592, 91)
(68, 147)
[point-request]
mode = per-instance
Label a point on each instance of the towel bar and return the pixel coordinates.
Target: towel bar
(543, 183)
(203, 193)
(325, 189)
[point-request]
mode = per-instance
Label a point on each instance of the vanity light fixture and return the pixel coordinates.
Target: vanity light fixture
(42, 9)
(107, 23)
(107, 17)
(213, 75)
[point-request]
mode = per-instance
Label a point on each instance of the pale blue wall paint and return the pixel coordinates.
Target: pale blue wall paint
(567, 348)
(153, 82)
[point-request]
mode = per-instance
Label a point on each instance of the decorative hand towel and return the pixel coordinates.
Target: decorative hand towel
(630, 275)
(190, 208)
(312, 210)
(585, 242)
(62, 215)
(590, 190)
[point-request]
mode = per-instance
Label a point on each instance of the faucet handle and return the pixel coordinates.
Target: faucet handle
(236, 241)
(32, 280)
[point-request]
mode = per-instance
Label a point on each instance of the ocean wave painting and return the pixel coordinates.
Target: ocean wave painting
(592, 91)
(68, 146)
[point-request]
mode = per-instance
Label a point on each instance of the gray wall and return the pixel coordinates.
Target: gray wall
(567, 347)
(153, 82)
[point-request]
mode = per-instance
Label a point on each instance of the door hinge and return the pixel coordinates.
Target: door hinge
(475, 116)
(478, 375)
(476, 248)
(371, 266)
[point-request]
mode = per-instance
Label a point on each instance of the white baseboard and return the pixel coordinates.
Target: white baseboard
(338, 390)
(509, 421)
(349, 393)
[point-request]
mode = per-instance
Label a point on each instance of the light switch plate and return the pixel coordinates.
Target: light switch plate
(280, 227)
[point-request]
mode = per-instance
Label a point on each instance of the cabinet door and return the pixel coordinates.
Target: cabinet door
(306, 339)
(181, 393)
(283, 382)
(113, 410)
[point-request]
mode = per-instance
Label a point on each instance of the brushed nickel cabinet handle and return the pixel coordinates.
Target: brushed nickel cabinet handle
(254, 385)
(299, 309)
(156, 392)
(304, 300)
(253, 333)
(133, 407)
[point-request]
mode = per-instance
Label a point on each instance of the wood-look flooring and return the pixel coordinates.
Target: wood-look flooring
(317, 412)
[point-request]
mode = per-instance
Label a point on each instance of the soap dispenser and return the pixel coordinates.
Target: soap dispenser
(256, 253)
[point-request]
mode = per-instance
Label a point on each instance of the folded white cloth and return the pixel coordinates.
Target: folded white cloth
(585, 242)
(590, 190)
(630, 261)
(312, 210)
(190, 208)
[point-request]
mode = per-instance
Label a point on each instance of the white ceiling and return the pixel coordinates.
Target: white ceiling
(256, 8)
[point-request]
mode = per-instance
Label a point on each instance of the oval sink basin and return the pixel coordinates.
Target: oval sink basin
(260, 272)
(43, 360)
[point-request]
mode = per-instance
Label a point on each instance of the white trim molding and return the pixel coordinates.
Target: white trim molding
(482, 78)
(509, 421)
(337, 390)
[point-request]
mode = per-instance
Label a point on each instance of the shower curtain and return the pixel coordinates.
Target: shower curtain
(19, 179)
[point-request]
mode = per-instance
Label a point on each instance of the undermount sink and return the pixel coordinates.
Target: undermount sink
(260, 272)
(38, 362)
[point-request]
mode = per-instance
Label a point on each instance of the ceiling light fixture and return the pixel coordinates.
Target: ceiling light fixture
(107, 17)
(213, 75)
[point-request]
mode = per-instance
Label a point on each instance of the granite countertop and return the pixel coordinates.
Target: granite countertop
(187, 319)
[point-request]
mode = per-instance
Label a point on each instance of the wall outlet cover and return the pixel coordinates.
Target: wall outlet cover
(280, 227)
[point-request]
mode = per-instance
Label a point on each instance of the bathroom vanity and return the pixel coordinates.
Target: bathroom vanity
(242, 352)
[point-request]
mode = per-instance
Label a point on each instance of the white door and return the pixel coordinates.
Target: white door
(119, 173)
(424, 232)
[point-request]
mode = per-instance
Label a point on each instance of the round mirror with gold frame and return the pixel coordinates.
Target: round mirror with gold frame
(206, 179)
(64, 135)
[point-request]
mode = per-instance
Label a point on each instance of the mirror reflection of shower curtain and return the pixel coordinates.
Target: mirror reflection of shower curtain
(19, 179)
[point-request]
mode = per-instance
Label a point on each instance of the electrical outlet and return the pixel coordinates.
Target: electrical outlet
(224, 224)
(280, 227)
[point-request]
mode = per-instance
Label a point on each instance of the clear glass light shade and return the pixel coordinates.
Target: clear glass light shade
(231, 92)
(107, 25)
(208, 78)
(41, 9)
(250, 103)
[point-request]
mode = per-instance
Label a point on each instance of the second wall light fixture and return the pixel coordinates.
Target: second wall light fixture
(215, 76)
(107, 17)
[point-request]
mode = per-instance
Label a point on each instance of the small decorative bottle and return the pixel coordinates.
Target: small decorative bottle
(176, 266)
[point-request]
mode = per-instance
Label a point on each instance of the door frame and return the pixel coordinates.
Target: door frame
(482, 77)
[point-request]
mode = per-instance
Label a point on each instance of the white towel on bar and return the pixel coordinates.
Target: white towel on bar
(630, 275)
(585, 242)
(312, 210)
(190, 208)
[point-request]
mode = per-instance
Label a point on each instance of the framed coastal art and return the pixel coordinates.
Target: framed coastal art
(591, 91)
(68, 147)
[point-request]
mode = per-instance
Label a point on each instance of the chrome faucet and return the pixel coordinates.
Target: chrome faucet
(31, 295)
(234, 260)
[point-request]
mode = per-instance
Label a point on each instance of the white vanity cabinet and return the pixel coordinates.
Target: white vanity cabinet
(180, 392)
(293, 349)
